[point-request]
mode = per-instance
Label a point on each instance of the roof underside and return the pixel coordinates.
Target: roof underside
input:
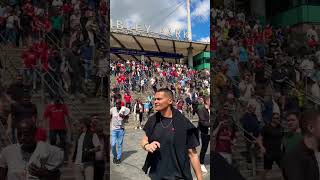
(171, 48)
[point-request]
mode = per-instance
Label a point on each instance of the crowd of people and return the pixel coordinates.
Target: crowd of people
(134, 85)
(144, 78)
(262, 78)
(64, 50)
(63, 40)
(24, 126)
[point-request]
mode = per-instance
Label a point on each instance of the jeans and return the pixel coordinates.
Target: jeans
(14, 135)
(99, 168)
(11, 35)
(117, 136)
(84, 172)
(62, 137)
(88, 68)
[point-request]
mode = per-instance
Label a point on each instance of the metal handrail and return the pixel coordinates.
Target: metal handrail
(314, 99)
(62, 90)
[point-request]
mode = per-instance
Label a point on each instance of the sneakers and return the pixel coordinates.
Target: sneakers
(116, 161)
(140, 128)
(203, 168)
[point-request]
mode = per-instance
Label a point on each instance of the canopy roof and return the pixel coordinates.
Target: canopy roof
(131, 47)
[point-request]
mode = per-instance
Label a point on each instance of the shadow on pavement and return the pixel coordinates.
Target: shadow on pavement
(126, 154)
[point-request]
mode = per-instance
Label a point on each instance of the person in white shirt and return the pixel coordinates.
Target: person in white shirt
(315, 89)
(118, 114)
(142, 86)
(246, 89)
(138, 110)
(312, 33)
(57, 3)
(30, 159)
(307, 67)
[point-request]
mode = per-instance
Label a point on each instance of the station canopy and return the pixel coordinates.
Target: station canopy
(132, 47)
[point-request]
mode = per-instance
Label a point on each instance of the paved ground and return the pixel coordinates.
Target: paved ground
(134, 157)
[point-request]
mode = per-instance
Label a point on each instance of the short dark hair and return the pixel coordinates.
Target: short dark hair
(308, 118)
(86, 122)
(295, 113)
(166, 91)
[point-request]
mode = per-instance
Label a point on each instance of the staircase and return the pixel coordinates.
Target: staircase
(78, 108)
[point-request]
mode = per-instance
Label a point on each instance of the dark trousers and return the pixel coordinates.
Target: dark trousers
(62, 133)
(205, 139)
(99, 168)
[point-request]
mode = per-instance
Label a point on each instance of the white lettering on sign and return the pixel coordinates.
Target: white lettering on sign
(119, 25)
(147, 28)
(178, 34)
(138, 28)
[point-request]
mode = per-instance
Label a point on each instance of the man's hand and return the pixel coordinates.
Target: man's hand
(38, 172)
(152, 146)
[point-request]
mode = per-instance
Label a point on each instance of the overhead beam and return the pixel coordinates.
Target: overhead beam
(135, 52)
(205, 47)
(158, 47)
(139, 44)
(118, 41)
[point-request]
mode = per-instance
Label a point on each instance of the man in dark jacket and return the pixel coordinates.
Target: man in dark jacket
(171, 141)
(84, 155)
(203, 126)
(302, 162)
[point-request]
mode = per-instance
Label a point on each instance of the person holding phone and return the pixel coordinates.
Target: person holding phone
(171, 141)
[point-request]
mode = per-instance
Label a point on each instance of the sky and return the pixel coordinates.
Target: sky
(165, 13)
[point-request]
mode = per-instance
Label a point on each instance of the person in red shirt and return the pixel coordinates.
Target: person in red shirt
(312, 43)
(41, 135)
(224, 141)
(57, 115)
(127, 98)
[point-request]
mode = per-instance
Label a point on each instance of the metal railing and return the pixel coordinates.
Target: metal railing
(239, 127)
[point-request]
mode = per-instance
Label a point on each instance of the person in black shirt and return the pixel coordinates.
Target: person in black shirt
(302, 162)
(203, 125)
(171, 141)
(19, 111)
(270, 141)
(18, 89)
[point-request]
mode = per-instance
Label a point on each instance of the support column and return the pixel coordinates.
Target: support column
(190, 57)
(258, 9)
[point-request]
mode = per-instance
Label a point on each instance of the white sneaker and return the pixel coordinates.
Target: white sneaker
(203, 168)
(140, 128)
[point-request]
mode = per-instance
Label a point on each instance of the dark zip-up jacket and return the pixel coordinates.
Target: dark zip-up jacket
(204, 120)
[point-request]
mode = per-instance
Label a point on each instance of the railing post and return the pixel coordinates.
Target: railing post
(253, 160)
(42, 91)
